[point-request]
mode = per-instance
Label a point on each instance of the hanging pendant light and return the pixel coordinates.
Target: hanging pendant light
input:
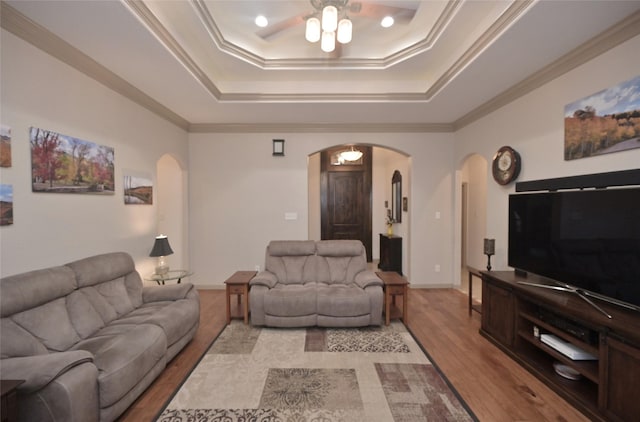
(324, 26)
(351, 155)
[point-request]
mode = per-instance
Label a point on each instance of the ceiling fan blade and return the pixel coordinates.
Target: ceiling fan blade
(274, 29)
(379, 11)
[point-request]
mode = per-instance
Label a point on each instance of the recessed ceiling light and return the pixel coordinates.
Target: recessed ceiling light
(261, 21)
(387, 22)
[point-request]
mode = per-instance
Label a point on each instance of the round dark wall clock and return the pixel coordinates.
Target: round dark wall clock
(506, 165)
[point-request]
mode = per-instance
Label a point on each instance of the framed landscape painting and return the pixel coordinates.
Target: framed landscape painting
(608, 121)
(138, 190)
(64, 164)
(5, 146)
(6, 205)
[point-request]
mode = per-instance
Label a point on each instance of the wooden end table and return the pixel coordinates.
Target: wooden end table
(473, 272)
(238, 284)
(394, 285)
(9, 404)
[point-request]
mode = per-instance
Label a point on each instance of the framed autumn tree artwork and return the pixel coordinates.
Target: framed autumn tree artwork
(64, 164)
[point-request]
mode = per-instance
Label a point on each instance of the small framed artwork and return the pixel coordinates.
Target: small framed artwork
(6, 205)
(278, 147)
(138, 189)
(405, 204)
(5, 146)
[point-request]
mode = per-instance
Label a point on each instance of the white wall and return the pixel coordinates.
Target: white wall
(52, 229)
(534, 126)
(239, 194)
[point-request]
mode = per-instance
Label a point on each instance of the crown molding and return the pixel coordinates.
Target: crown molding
(500, 25)
(261, 62)
(33, 33)
(320, 128)
(610, 38)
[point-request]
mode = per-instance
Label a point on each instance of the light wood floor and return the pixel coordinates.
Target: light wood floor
(494, 386)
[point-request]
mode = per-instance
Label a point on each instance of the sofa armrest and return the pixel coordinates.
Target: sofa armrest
(264, 278)
(40, 370)
(367, 278)
(167, 292)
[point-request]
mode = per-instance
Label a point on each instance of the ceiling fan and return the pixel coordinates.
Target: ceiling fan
(351, 9)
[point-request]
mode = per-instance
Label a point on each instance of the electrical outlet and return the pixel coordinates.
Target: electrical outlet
(437, 268)
(257, 268)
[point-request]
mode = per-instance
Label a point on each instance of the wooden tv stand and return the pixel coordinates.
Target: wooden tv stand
(608, 387)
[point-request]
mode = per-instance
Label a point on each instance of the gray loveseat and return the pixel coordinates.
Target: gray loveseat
(88, 338)
(324, 283)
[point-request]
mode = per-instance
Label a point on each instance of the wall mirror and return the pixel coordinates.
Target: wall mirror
(396, 197)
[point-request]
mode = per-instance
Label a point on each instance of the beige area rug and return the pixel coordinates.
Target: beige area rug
(315, 375)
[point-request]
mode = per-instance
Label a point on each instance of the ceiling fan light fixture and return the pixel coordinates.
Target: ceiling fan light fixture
(344, 31)
(312, 33)
(328, 42)
(387, 22)
(329, 19)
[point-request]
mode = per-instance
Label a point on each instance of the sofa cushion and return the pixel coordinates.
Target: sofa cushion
(123, 354)
(291, 248)
(292, 269)
(339, 248)
(85, 318)
(174, 317)
(100, 268)
(341, 300)
(115, 293)
(50, 324)
(17, 342)
(34, 288)
(290, 300)
(97, 269)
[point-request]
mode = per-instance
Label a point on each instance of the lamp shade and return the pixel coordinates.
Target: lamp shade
(329, 19)
(312, 33)
(344, 31)
(489, 246)
(161, 246)
(328, 42)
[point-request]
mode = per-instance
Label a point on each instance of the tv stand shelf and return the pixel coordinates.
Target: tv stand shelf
(514, 315)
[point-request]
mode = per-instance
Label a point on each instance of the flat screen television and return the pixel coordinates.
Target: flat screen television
(586, 239)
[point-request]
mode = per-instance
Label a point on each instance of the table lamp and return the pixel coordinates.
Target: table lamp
(489, 249)
(161, 248)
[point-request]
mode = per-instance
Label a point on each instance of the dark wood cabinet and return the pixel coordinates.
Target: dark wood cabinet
(390, 253)
(496, 303)
(514, 316)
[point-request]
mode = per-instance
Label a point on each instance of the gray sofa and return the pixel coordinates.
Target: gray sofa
(88, 338)
(324, 283)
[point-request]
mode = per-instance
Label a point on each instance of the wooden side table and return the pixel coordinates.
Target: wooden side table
(238, 284)
(394, 285)
(473, 272)
(9, 404)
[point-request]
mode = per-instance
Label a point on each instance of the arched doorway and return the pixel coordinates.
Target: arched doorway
(385, 162)
(171, 200)
(471, 209)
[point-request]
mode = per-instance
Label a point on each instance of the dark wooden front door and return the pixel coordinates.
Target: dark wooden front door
(346, 197)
